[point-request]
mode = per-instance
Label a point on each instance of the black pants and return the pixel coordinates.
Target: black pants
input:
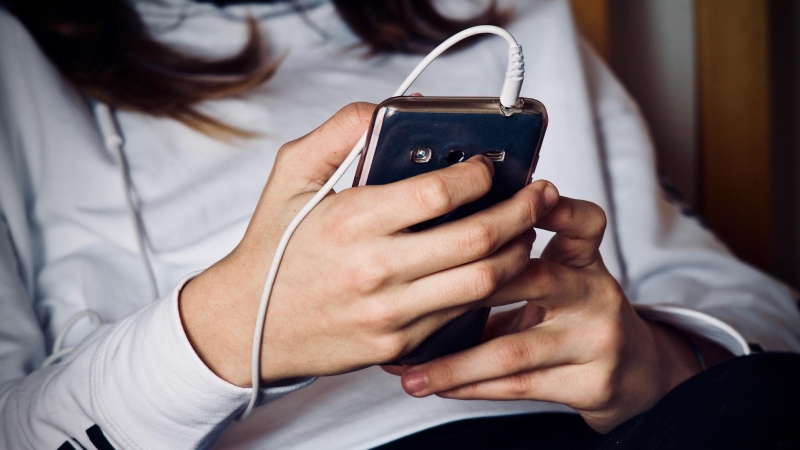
(750, 402)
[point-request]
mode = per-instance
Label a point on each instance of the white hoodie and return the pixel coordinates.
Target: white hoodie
(67, 241)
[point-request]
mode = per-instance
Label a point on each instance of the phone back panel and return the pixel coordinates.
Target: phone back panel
(448, 128)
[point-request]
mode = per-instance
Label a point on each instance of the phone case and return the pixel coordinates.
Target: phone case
(410, 136)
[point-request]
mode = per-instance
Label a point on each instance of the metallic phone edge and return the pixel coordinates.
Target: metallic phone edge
(458, 104)
(545, 122)
(365, 162)
(445, 104)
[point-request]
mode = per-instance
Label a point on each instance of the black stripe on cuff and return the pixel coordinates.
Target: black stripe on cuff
(98, 438)
(68, 446)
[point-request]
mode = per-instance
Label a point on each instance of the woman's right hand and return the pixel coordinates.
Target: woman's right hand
(355, 288)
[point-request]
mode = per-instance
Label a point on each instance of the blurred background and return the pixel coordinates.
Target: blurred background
(719, 83)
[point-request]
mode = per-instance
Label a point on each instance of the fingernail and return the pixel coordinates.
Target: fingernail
(415, 382)
(550, 196)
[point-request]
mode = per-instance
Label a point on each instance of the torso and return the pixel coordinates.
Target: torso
(198, 194)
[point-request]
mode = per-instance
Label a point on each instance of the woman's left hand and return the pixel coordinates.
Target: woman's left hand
(577, 341)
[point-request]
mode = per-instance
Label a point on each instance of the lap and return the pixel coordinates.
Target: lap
(746, 402)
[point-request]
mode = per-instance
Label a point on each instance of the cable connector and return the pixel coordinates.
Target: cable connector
(109, 128)
(515, 75)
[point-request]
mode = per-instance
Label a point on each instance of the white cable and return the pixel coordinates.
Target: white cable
(113, 142)
(95, 318)
(59, 352)
(112, 139)
(508, 97)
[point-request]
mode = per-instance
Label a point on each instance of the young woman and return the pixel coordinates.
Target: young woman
(169, 236)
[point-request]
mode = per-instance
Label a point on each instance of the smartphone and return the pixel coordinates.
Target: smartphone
(409, 136)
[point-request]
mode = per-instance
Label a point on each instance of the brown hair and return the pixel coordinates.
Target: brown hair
(106, 50)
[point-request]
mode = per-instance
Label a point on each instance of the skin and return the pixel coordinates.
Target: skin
(576, 341)
(356, 289)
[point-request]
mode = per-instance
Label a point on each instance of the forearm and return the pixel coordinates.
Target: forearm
(139, 380)
(219, 321)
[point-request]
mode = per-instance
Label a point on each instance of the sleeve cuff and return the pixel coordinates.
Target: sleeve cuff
(155, 392)
(694, 322)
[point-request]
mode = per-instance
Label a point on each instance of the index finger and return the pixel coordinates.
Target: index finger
(508, 355)
(479, 235)
(579, 226)
(397, 206)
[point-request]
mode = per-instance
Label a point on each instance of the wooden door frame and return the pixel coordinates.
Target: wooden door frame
(591, 17)
(734, 116)
(733, 83)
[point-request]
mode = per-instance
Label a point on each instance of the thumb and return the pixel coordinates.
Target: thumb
(313, 158)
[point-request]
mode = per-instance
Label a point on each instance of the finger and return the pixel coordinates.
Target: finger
(464, 285)
(394, 369)
(313, 158)
(396, 206)
(477, 236)
(533, 349)
(579, 226)
(513, 321)
(559, 384)
(544, 283)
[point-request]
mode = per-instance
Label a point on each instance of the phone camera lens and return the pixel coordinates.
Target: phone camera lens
(456, 156)
(421, 155)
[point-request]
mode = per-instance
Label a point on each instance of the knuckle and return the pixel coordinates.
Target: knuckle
(379, 319)
(603, 390)
(369, 275)
(608, 293)
(611, 290)
(541, 276)
(480, 241)
(355, 116)
(471, 390)
(350, 217)
(346, 228)
(284, 151)
(433, 194)
(529, 209)
(519, 385)
(363, 110)
(390, 346)
(608, 340)
(288, 153)
(569, 212)
(598, 219)
(512, 355)
(444, 375)
(485, 279)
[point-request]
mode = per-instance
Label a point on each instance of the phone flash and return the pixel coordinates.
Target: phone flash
(421, 155)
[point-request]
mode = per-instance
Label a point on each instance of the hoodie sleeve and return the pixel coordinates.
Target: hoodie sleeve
(134, 384)
(676, 270)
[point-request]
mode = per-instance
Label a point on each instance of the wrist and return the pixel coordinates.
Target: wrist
(214, 327)
(678, 360)
(711, 352)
